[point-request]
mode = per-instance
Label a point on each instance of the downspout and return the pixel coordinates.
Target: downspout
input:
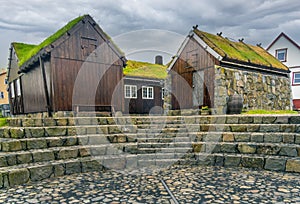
(45, 87)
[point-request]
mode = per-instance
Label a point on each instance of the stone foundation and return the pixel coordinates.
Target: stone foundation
(259, 91)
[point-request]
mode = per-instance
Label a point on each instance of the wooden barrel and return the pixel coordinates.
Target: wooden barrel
(235, 104)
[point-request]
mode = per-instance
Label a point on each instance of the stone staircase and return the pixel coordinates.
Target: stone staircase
(33, 149)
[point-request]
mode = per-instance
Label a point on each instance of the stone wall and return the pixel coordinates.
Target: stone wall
(259, 91)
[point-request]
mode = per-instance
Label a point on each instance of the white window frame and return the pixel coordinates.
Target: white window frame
(18, 87)
(149, 92)
(163, 93)
(294, 78)
(281, 51)
(132, 91)
(12, 89)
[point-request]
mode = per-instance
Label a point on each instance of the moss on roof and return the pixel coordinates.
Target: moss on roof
(25, 53)
(145, 70)
(239, 51)
(22, 49)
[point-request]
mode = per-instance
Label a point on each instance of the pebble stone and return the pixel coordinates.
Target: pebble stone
(188, 184)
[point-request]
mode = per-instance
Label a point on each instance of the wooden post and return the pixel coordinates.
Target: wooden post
(45, 87)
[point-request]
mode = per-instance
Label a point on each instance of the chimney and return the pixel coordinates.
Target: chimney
(159, 59)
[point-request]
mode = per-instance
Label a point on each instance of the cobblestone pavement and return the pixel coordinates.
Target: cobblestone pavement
(187, 184)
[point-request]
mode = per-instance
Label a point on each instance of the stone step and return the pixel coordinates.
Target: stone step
(212, 119)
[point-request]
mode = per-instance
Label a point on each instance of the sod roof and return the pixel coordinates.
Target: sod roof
(240, 51)
(145, 70)
(26, 51)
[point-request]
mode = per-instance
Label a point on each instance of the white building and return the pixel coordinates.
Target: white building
(288, 52)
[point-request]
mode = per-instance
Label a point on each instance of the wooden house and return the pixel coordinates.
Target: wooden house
(288, 52)
(78, 67)
(209, 69)
(144, 88)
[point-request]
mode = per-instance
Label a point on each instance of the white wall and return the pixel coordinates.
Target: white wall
(293, 60)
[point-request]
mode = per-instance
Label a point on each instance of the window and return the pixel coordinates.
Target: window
(6, 81)
(12, 90)
(18, 87)
(1, 95)
(147, 92)
(281, 55)
(163, 93)
(296, 78)
(130, 91)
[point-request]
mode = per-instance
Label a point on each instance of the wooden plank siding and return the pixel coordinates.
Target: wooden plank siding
(193, 58)
(139, 105)
(74, 54)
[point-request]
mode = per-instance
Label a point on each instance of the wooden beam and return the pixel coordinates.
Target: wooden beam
(49, 109)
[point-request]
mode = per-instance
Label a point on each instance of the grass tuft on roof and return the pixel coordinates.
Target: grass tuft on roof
(25, 56)
(239, 51)
(145, 70)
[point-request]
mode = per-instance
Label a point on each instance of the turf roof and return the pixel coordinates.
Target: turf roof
(145, 70)
(25, 51)
(239, 51)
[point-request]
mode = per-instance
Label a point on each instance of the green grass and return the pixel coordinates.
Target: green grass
(270, 112)
(239, 50)
(3, 122)
(145, 70)
(25, 53)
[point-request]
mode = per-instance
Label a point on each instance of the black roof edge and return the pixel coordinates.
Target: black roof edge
(266, 69)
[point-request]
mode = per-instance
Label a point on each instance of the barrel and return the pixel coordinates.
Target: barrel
(235, 104)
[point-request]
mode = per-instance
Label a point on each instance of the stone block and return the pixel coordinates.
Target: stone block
(18, 176)
(246, 148)
(55, 142)
(91, 130)
(17, 133)
(268, 149)
(269, 128)
(62, 121)
(293, 165)
(58, 169)
(232, 161)
(11, 159)
(11, 146)
(253, 128)
(275, 164)
(197, 147)
(219, 161)
(288, 138)
(228, 148)
(205, 160)
(228, 137)
(297, 139)
(73, 167)
(39, 173)
(272, 138)
(242, 137)
(70, 141)
(253, 162)
(83, 152)
(238, 128)
(115, 163)
(71, 131)
(294, 120)
(269, 119)
(257, 137)
(24, 158)
(91, 165)
(288, 151)
(67, 153)
(246, 120)
(34, 132)
(213, 137)
(3, 161)
(49, 122)
(56, 131)
(36, 144)
(232, 120)
(42, 156)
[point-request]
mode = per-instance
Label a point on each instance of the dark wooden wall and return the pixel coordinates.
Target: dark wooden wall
(193, 58)
(76, 63)
(140, 105)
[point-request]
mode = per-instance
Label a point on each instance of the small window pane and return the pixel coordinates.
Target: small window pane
(281, 55)
(296, 78)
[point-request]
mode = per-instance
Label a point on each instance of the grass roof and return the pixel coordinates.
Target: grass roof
(145, 70)
(25, 51)
(239, 50)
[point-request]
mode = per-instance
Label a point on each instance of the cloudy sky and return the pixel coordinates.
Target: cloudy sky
(144, 28)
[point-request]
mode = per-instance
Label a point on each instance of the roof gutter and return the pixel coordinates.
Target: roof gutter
(228, 63)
